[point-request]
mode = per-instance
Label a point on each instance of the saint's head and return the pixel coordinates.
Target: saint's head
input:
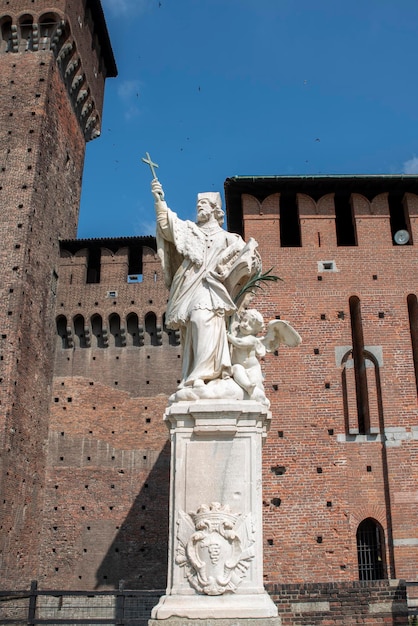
(209, 204)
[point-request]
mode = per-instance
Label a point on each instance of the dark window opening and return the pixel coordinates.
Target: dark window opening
(97, 331)
(289, 221)
(135, 260)
(116, 331)
(370, 550)
(151, 330)
(344, 220)
(93, 265)
(134, 335)
(399, 217)
(26, 35)
(362, 395)
(6, 36)
(47, 28)
(413, 329)
(79, 331)
(62, 331)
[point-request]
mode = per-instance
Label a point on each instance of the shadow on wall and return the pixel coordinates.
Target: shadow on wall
(138, 554)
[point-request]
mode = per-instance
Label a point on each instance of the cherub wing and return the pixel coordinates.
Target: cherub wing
(279, 331)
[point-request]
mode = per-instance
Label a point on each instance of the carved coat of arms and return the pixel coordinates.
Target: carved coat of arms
(215, 546)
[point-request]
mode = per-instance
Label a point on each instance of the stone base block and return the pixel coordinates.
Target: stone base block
(201, 608)
(225, 621)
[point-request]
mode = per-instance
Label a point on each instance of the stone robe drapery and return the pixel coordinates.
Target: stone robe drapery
(194, 259)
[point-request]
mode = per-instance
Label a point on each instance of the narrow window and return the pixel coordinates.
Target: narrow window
(6, 36)
(26, 34)
(47, 26)
(359, 366)
(344, 220)
(135, 261)
(151, 338)
(79, 331)
(370, 550)
(289, 221)
(115, 330)
(413, 329)
(97, 330)
(133, 335)
(62, 331)
(399, 219)
(93, 265)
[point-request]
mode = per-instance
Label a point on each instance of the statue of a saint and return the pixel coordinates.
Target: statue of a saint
(205, 268)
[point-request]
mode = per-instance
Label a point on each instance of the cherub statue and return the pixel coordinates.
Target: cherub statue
(247, 349)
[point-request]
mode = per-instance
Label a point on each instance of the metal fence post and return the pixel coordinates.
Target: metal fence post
(32, 602)
(120, 605)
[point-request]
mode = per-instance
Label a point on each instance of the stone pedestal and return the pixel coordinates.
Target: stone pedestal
(215, 562)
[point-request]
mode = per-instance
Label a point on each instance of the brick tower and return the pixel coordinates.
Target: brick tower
(54, 59)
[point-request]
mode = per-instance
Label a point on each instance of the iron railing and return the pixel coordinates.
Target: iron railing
(117, 607)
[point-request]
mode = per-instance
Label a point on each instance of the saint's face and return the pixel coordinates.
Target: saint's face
(204, 211)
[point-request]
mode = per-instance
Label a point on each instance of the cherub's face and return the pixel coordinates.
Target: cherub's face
(248, 325)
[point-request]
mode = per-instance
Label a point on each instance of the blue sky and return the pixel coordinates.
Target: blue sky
(218, 88)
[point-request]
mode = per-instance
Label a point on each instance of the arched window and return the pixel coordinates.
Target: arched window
(374, 390)
(79, 331)
(132, 324)
(26, 33)
(370, 550)
(360, 374)
(6, 35)
(48, 24)
(151, 338)
(62, 331)
(98, 332)
(116, 331)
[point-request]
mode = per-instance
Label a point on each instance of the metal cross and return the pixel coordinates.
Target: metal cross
(149, 162)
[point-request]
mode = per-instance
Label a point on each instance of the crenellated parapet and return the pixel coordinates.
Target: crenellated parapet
(113, 262)
(33, 32)
(111, 294)
(327, 210)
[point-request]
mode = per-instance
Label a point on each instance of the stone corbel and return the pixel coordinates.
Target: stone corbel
(65, 51)
(83, 93)
(72, 66)
(86, 110)
(35, 37)
(57, 36)
(15, 38)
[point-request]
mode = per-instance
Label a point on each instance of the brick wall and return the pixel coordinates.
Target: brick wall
(42, 144)
(341, 603)
(106, 510)
(34, 157)
(332, 479)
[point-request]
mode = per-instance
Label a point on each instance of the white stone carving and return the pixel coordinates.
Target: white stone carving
(205, 268)
(215, 562)
(247, 349)
(215, 547)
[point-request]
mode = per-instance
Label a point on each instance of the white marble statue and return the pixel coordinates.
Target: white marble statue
(204, 267)
(247, 349)
(207, 271)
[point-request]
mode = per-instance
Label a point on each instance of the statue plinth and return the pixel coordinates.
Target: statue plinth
(215, 561)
